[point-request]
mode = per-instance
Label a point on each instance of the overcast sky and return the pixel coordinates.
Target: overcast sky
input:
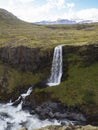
(38, 10)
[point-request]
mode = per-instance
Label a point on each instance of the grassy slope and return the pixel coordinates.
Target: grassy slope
(45, 36)
(14, 32)
(81, 86)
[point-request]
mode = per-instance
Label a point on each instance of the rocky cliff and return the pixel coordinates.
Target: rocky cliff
(22, 67)
(26, 59)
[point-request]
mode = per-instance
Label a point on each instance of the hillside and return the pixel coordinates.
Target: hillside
(14, 32)
(5, 16)
(26, 52)
(8, 20)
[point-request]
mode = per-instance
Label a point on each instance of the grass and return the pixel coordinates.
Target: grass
(81, 87)
(12, 79)
(16, 33)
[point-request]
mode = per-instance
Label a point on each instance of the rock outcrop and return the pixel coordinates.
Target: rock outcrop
(24, 58)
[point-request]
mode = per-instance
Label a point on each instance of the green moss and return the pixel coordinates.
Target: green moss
(12, 79)
(40, 96)
(75, 59)
(81, 87)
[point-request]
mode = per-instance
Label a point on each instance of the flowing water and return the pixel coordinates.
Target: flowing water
(56, 69)
(14, 118)
(11, 118)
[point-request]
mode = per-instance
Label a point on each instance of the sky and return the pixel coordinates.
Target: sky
(39, 10)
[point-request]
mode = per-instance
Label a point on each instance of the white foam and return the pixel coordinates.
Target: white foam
(27, 93)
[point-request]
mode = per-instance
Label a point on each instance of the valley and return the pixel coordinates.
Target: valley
(26, 54)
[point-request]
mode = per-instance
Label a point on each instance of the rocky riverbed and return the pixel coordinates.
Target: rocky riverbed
(56, 110)
(87, 127)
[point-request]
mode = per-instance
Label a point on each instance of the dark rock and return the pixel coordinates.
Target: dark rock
(17, 101)
(63, 123)
(40, 85)
(25, 58)
(53, 110)
(51, 115)
(5, 115)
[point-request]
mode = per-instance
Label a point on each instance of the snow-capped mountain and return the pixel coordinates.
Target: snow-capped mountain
(64, 21)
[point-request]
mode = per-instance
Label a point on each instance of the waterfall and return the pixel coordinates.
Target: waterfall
(56, 69)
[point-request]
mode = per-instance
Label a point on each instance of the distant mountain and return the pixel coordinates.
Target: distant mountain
(85, 21)
(64, 21)
(60, 21)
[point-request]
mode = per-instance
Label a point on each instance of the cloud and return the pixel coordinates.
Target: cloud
(57, 3)
(20, 1)
(70, 5)
(88, 14)
(85, 14)
(48, 11)
(24, 1)
(28, 10)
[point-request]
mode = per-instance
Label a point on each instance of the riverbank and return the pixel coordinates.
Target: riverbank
(88, 127)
